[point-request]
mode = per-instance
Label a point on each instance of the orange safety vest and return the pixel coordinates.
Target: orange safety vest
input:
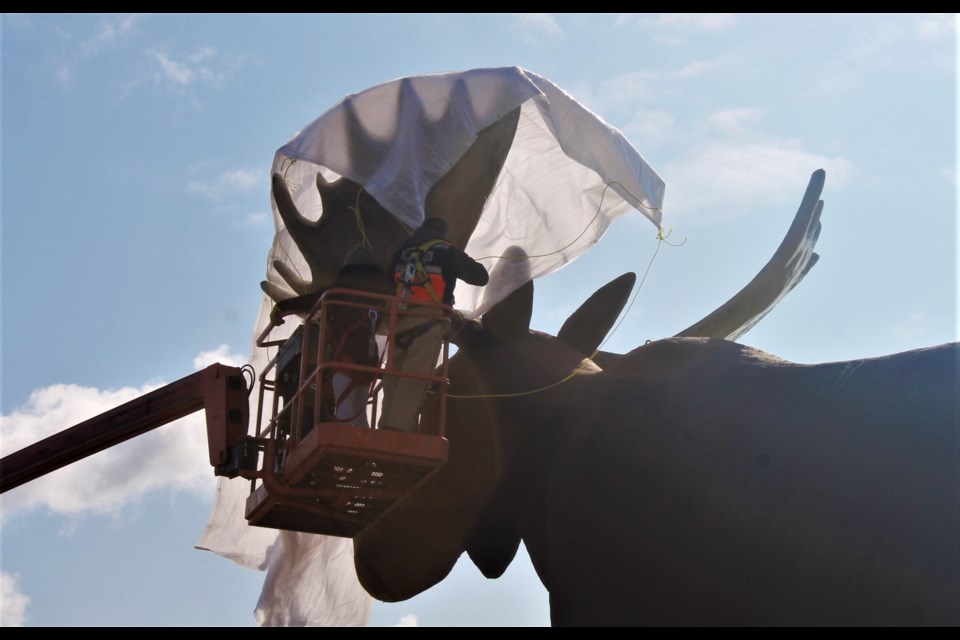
(417, 276)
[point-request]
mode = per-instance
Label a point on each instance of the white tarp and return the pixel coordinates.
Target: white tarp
(398, 139)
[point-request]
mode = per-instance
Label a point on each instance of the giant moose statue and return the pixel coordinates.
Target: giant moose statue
(692, 481)
(505, 157)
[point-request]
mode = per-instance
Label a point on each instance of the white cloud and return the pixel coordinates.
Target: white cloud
(701, 21)
(936, 25)
(205, 66)
(634, 86)
(221, 354)
(254, 220)
(201, 55)
(174, 71)
(118, 36)
(877, 39)
(695, 68)
(668, 40)
(720, 181)
(949, 173)
(733, 121)
(241, 179)
(173, 457)
(537, 28)
(13, 603)
(109, 31)
(409, 620)
(650, 127)
(228, 184)
(680, 21)
(880, 40)
(886, 35)
(627, 90)
(231, 192)
(184, 73)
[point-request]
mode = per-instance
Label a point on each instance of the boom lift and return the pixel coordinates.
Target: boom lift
(307, 470)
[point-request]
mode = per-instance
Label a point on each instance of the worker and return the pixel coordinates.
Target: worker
(352, 334)
(426, 268)
(350, 331)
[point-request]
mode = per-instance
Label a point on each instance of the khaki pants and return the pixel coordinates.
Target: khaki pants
(402, 396)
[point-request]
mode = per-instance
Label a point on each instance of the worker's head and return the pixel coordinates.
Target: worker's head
(358, 254)
(431, 229)
(436, 226)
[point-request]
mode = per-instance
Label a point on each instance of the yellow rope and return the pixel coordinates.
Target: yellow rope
(661, 238)
(360, 226)
(359, 219)
(284, 167)
(520, 393)
(574, 241)
(623, 316)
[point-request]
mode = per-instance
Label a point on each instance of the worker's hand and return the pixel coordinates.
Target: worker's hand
(276, 316)
(457, 320)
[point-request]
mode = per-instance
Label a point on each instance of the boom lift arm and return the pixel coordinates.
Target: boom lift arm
(221, 390)
(309, 471)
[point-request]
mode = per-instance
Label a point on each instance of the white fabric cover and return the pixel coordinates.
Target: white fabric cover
(398, 139)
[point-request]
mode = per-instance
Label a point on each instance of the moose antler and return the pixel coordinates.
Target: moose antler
(325, 242)
(457, 197)
(793, 259)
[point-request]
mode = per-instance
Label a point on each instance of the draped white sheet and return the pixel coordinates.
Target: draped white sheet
(567, 175)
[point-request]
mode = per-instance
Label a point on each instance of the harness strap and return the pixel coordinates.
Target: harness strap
(342, 343)
(405, 338)
(356, 377)
(338, 351)
(423, 278)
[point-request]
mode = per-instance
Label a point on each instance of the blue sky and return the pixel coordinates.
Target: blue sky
(135, 227)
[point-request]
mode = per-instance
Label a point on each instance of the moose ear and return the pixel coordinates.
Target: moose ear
(510, 318)
(585, 329)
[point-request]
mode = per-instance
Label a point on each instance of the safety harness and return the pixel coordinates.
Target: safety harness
(416, 275)
(369, 322)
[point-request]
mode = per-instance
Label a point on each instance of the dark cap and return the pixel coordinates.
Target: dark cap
(358, 254)
(435, 224)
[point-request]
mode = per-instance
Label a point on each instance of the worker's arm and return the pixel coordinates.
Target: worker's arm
(298, 304)
(365, 277)
(468, 269)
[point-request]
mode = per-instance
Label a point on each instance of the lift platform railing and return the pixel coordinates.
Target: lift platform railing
(315, 343)
(323, 475)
